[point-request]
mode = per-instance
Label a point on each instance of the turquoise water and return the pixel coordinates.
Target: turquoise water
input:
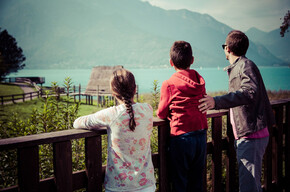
(275, 78)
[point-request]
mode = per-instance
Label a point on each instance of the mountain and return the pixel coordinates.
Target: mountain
(273, 41)
(132, 33)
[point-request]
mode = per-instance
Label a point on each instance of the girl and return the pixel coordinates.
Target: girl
(129, 164)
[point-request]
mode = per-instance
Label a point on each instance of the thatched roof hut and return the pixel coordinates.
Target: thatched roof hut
(99, 80)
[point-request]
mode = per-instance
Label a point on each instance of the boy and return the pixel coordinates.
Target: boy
(179, 103)
(250, 110)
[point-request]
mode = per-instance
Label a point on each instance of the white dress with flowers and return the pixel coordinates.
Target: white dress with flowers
(129, 163)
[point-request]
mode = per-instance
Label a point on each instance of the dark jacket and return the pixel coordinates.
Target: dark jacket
(247, 97)
(179, 102)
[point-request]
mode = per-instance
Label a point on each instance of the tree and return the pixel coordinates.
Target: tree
(285, 24)
(11, 56)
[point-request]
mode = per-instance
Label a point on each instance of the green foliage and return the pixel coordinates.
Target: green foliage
(285, 24)
(140, 99)
(109, 101)
(155, 95)
(56, 113)
(9, 89)
(11, 56)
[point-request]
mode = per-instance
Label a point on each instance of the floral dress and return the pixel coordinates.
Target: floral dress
(129, 163)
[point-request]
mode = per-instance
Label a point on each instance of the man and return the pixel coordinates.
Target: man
(250, 110)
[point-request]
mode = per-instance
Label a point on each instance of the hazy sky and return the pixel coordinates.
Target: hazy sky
(238, 14)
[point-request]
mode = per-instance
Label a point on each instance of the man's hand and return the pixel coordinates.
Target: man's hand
(207, 103)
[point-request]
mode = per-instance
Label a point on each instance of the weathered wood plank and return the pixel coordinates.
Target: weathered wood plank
(62, 164)
(279, 147)
(231, 161)
(268, 163)
(93, 151)
(163, 142)
(217, 154)
(28, 169)
(287, 147)
(45, 138)
(216, 113)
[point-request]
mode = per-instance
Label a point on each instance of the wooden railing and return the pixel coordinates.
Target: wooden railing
(220, 148)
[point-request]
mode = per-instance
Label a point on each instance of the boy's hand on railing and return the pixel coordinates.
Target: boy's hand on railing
(207, 103)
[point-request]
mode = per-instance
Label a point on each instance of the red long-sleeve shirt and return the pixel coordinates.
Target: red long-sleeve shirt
(179, 102)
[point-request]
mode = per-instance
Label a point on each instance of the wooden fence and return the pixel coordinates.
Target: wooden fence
(19, 97)
(220, 148)
(102, 98)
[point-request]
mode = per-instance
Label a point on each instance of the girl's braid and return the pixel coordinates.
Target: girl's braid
(123, 85)
(128, 104)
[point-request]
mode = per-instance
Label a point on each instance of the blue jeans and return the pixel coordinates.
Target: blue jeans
(250, 154)
(187, 161)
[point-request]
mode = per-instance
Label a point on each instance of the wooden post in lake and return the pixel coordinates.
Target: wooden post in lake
(74, 89)
(98, 95)
(137, 95)
(79, 92)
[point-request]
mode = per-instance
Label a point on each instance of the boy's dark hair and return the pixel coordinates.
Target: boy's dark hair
(181, 54)
(237, 42)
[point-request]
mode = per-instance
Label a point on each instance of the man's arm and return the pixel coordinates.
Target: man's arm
(243, 96)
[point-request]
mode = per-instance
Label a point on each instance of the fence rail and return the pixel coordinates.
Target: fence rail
(220, 148)
(75, 92)
(19, 97)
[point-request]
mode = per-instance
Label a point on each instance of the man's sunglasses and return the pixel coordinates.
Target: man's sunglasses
(223, 46)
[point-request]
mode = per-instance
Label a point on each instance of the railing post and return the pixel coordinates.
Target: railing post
(217, 154)
(23, 97)
(79, 92)
(277, 148)
(268, 162)
(62, 163)
(93, 151)
(98, 90)
(287, 147)
(231, 177)
(74, 89)
(163, 143)
(28, 169)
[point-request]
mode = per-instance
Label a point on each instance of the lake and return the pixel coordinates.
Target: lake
(275, 78)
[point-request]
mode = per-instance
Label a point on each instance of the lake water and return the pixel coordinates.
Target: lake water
(275, 78)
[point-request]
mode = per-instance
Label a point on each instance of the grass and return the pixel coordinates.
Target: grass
(23, 110)
(9, 89)
(88, 109)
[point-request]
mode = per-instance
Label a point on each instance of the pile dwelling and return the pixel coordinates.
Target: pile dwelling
(99, 83)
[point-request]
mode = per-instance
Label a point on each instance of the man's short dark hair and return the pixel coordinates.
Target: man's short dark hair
(237, 42)
(181, 54)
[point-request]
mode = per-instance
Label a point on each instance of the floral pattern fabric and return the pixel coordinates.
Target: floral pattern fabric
(129, 163)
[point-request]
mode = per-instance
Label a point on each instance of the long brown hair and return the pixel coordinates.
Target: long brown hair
(123, 87)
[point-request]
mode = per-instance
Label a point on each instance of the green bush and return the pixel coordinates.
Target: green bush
(56, 113)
